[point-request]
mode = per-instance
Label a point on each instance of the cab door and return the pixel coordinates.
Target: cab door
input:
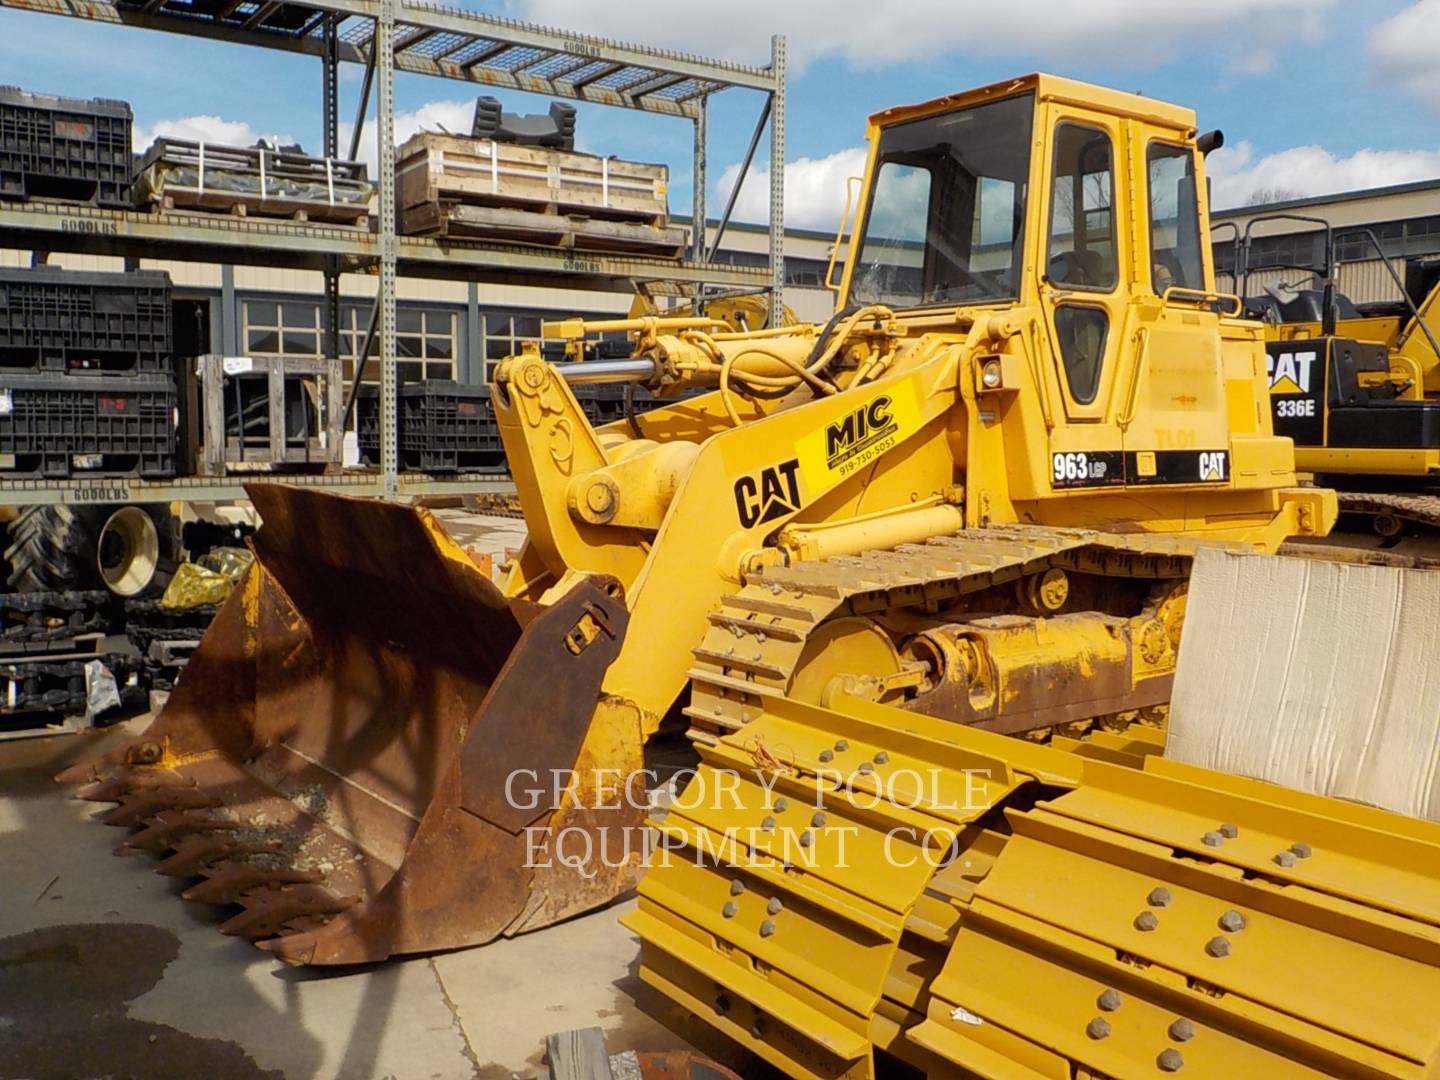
(1174, 414)
(1084, 288)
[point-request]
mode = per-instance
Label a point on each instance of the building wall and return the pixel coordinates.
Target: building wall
(1349, 208)
(1405, 220)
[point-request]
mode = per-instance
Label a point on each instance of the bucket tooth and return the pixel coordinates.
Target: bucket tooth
(197, 852)
(135, 807)
(115, 787)
(297, 929)
(269, 908)
(112, 789)
(302, 941)
(164, 830)
(226, 883)
(82, 772)
(361, 699)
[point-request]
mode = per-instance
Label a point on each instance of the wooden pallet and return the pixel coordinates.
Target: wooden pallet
(434, 168)
(225, 202)
(225, 454)
(570, 232)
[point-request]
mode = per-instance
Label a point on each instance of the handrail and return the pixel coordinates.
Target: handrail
(1327, 317)
(1127, 416)
(1203, 296)
(1405, 295)
(1234, 247)
(851, 182)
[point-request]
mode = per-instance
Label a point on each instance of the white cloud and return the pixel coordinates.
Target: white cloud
(814, 190)
(874, 33)
(454, 117)
(1239, 177)
(1406, 48)
(210, 129)
(1257, 61)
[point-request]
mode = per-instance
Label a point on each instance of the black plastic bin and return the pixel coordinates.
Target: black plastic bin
(87, 425)
(604, 403)
(65, 148)
(444, 427)
(367, 423)
(448, 427)
(67, 320)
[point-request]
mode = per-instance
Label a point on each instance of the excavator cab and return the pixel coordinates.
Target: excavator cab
(972, 497)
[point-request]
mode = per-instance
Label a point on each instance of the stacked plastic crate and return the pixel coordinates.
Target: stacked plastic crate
(65, 148)
(87, 382)
(448, 427)
(442, 427)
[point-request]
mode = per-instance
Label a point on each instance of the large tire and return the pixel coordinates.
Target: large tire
(55, 548)
(52, 548)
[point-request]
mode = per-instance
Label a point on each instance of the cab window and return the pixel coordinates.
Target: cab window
(1082, 331)
(1174, 218)
(1082, 220)
(945, 219)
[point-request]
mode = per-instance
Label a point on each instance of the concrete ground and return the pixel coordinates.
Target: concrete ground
(485, 534)
(106, 972)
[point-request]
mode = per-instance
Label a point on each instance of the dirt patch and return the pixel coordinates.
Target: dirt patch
(63, 997)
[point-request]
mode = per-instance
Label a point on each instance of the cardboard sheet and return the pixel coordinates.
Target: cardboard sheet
(1320, 676)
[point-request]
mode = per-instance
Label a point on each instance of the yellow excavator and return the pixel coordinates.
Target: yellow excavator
(936, 549)
(1357, 390)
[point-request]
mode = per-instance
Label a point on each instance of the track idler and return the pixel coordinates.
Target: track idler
(337, 761)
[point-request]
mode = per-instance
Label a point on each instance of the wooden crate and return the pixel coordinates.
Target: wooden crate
(433, 168)
(180, 175)
(571, 232)
(316, 450)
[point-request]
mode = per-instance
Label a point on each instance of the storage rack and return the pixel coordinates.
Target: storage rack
(386, 36)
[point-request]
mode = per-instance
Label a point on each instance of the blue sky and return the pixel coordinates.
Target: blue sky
(1313, 95)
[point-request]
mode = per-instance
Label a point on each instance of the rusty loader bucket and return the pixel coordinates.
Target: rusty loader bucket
(339, 761)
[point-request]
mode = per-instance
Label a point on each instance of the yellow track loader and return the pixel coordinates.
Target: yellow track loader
(965, 509)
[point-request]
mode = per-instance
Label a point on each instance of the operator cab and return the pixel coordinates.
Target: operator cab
(1080, 210)
(945, 216)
